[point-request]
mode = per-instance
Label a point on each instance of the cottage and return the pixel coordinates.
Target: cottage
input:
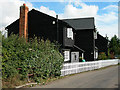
(44, 26)
(85, 36)
(77, 37)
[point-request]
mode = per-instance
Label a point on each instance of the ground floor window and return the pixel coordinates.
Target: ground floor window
(66, 55)
(96, 54)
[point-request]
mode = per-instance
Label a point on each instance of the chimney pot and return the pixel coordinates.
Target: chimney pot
(24, 4)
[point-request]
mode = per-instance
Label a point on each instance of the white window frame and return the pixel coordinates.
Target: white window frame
(82, 55)
(66, 55)
(96, 54)
(70, 33)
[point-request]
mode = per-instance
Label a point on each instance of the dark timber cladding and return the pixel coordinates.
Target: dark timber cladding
(48, 27)
(13, 28)
(102, 44)
(41, 25)
(75, 36)
(84, 38)
(44, 26)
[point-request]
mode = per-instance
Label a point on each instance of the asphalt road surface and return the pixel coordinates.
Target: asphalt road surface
(103, 78)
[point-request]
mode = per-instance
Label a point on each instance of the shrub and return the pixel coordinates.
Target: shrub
(35, 59)
(102, 56)
(118, 57)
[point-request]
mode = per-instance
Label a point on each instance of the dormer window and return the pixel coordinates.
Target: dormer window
(70, 33)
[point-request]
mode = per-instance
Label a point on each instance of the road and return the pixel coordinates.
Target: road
(103, 78)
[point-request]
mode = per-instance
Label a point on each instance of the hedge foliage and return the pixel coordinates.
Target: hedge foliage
(102, 56)
(34, 59)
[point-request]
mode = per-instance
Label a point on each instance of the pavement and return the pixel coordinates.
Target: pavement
(103, 78)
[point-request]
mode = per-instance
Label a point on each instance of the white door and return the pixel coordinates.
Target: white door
(74, 56)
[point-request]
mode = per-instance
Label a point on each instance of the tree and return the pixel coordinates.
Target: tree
(114, 45)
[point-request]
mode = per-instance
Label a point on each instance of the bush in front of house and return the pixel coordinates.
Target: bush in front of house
(33, 60)
(102, 56)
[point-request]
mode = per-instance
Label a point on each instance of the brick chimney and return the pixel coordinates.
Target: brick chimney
(23, 22)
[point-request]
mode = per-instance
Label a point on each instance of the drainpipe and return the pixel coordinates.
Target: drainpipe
(95, 31)
(57, 28)
(94, 45)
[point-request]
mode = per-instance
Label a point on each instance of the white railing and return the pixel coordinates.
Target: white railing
(72, 68)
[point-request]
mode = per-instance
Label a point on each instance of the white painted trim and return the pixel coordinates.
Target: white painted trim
(70, 33)
(82, 55)
(66, 53)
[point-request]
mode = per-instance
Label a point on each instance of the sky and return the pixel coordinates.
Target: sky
(105, 13)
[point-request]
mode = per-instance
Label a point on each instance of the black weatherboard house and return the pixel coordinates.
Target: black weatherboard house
(85, 35)
(77, 37)
(48, 27)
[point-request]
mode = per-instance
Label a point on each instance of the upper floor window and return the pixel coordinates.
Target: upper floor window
(95, 35)
(70, 33)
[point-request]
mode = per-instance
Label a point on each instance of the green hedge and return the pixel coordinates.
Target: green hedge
(102, 56)
(38, 58)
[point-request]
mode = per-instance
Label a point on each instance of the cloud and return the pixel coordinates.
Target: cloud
(106, 23)
(115, 7)
(109, 30)
(71, 11)
(29, 5)
(47, 11)
(9, 11)
(107, 18)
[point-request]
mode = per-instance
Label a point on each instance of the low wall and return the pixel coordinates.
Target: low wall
(72, 68)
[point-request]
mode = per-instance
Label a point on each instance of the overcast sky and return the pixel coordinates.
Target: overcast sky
(105, 13)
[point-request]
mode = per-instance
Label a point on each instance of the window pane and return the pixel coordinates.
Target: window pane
(66, 55)
(69, 33)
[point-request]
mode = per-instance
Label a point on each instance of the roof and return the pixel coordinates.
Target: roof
(37, 12)
(31, 11)
(77, 23)
(81, 23)
(78, 48)
(102, 36)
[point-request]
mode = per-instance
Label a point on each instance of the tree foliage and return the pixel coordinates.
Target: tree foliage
(114, 45)
(102, 56)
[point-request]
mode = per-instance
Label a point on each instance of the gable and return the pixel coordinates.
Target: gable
(102, 38)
